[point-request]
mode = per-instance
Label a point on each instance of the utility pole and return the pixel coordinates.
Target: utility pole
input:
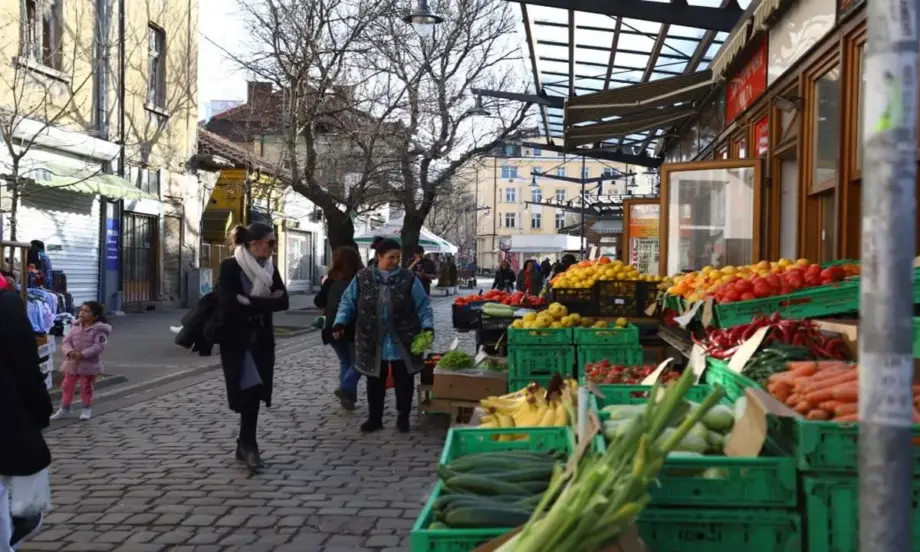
(888, 245)
(495, 208)
(584, 242)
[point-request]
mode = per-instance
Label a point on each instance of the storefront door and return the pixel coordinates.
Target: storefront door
(139, 255)
(710, 214)
(299, 258)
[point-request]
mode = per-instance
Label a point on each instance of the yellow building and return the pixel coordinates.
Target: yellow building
(102, 135)
(505, 191)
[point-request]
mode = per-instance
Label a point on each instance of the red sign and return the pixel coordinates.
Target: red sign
(748, 85)
(762, 136)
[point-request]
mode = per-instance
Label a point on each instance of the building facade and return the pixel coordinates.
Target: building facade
(509, 186)
(99, 124)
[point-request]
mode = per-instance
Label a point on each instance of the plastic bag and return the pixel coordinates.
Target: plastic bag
(391, 383)
(30, 495)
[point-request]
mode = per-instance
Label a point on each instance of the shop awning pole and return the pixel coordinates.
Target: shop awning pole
(889, 143)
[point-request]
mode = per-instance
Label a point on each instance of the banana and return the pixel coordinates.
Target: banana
(528, 415)
(488, 425)
(561, 416)
(548, 417)
(505, 421)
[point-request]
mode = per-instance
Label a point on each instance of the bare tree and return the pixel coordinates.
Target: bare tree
(453, 216)
(472, 48)
(47, 85)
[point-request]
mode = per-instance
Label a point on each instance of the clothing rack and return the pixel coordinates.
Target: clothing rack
(23, 265)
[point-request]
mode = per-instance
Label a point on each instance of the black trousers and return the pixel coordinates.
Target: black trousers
(377, 390)
(249, 417)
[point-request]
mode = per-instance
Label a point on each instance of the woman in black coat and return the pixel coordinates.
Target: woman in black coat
(25, 407)
(249, 290)
(504, 277)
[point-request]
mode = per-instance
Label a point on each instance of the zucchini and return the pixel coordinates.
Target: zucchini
(486, 517)
(437, 525)
(487, 486)
(485, 502)
(494, 463)
(533, 487)
(451, 501)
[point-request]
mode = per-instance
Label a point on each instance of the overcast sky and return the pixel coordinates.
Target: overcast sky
(218, 78)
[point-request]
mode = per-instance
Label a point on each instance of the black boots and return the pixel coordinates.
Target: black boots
(371, 425)
(402, 423)
(249, 456)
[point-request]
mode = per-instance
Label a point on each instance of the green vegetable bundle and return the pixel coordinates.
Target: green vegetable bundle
(606, 494)
(456, 360)
(422, 343)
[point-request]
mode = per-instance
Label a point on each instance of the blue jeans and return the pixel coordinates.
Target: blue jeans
(348, 376)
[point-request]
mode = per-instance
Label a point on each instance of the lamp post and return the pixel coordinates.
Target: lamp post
(423, 19)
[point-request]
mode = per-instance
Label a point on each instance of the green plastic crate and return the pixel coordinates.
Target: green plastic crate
(713, 481)
(805, 303)
(916, 337)
(840, 262)
(607, 336)
(516, 384)
(538, 361)
(714, 530)
(545, 336)
(627, 355)
(828, 446)
(446, 540)
(673, 302)
(832, 513)
(464, 441)
(717, 372)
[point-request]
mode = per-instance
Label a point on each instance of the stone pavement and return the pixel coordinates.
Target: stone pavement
(160, 475)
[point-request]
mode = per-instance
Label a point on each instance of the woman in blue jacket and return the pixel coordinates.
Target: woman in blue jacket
(388, 306)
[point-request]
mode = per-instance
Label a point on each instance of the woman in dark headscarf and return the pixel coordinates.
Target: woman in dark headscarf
(530, 279)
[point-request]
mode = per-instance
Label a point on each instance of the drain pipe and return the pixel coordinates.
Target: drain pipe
(121, 86)
(102, 68)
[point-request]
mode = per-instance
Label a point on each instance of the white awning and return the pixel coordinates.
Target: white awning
(554, 243)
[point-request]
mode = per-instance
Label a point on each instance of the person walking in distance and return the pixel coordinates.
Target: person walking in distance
(389, 307)
(346, 262)
(82, 347)
(424, 268)
(250, 289)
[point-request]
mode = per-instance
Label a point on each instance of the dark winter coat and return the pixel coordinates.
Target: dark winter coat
(245, 327)
(536, 280)
(504, 279)
(200, 325)
(328, 298)
(402, 315)
(25, 407)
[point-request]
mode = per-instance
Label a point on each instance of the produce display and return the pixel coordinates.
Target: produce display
(605, 495)
(422, 343)
(557, 316)
(493, 489)
(772, 360)
(456, 360)
(533, 406)
(705, 437)
(515, 299)
(605, 372)
(824, 390)
(731, 284)
(498, 310)
(723, 343)
(586, 273)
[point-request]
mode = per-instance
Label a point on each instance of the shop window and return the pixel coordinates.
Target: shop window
(826, 135)
(710, 215)
(740, 148)
(828, 216)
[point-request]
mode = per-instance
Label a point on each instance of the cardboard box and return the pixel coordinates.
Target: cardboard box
(469, 385)
(848, 330)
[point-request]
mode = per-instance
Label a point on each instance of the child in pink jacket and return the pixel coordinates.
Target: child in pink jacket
(82, 348)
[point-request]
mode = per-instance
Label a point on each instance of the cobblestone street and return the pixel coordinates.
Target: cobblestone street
(160, 474)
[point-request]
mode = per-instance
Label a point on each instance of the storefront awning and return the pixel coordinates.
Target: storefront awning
(215, 224)
(608, 226)
(636, 99)
(83, 181)
(632, 124)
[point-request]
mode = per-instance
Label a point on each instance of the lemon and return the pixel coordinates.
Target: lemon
(530, 317)
(518, 324)
(556, 325)
(622, 322)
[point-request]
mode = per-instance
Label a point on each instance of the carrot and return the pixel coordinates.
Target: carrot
(819, 377)
(832, 364)
(829, 405)
(847, 418)
(915, 389)
(793, 400)
(817, 414)
(845, 409)
(828, 379)
(782, 391)
(804, 407)
(826, 386)
(801, 367)
(846, 392)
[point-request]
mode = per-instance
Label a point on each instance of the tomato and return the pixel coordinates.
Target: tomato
(813, 269)
(762, 289)
(743, 286)
(785, 290)
(732, 296)
(774, 281)
(748, 296)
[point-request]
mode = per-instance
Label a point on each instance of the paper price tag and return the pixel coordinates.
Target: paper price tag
(697, 362)
(650, 310)
(707, 312)
(594, 390)
(653, 377)
(481, 356)
(747, 350)
(454, 344)
(685, 318)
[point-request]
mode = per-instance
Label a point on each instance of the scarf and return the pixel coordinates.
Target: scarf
(259, 275)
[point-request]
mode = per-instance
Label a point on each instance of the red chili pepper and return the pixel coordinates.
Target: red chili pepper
(749, 332)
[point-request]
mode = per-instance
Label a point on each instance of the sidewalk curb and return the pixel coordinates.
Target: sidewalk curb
(109, 381)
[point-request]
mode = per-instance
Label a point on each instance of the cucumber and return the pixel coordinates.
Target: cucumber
(486, 517)
(487, 486)
(495, 464)
(541, 474)
(483, 502)
(449, 502)
(530, 502)
(533, 487)
(437, 525)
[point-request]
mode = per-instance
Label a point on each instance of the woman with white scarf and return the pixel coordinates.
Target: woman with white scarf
(249, 290)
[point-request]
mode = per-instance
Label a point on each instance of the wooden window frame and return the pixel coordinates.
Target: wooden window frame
(627, 210)
(665, 192)
(780, 147)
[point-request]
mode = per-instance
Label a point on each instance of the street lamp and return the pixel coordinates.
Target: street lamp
(533, 181)
(478, 110)
(423, 19)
